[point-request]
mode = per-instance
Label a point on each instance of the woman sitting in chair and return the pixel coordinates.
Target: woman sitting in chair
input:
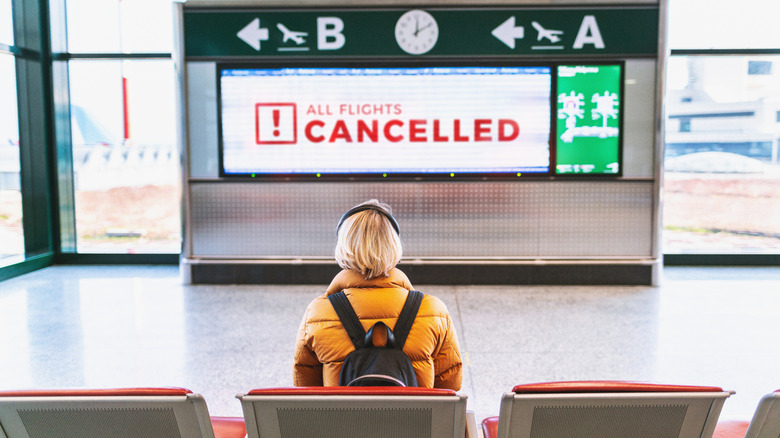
(368, 249)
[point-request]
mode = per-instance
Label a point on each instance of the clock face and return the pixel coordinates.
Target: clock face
(416, 32)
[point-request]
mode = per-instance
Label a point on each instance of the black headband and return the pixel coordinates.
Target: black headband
(365, 207)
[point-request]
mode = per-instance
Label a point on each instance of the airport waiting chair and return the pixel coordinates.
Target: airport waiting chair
(765, 422)
(607, 409)
(356, 412)
(112, 413)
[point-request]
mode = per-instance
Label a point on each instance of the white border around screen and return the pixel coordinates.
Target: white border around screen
(318, 110)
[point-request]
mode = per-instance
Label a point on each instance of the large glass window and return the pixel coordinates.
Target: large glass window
(722, 171)
(125, 163)
(11, 232)
(722, 178)
(119, 26)
(724, 24)
(6, 23)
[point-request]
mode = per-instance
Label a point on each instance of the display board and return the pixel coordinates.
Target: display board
(517, 144)
(589, 120)
(430, 121)
(542, 30)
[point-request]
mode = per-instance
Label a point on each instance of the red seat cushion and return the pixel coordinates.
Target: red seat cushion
(352, 390)
(591, 386)
(103, 392)
(490, 427)
(731, 429)
(228, 427)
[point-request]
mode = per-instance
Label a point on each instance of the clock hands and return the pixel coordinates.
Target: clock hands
(418, 29)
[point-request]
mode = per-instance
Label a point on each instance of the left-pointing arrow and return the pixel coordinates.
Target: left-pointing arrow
(507, 33)
(252, 34)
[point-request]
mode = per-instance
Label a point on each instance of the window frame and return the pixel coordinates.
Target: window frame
(720, 259)
(31, 50)
(68, 253)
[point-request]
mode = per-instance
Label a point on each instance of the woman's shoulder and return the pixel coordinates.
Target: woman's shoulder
(320, 309)
(374, 304)
(433, 306)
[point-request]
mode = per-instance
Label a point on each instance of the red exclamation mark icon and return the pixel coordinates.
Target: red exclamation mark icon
(276, 123)
(282, 115)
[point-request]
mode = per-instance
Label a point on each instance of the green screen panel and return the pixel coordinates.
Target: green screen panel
(588, 115)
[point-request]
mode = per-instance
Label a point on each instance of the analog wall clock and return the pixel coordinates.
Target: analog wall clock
(416, 32)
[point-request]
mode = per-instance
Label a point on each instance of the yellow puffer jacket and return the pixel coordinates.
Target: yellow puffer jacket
(323, 344)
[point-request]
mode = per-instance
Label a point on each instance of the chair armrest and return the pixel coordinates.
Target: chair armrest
(471, 425)
(490, 427)
(228, 427)
(731, 429)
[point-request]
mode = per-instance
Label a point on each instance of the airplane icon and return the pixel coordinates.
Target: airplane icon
(298, 37)
(551, 35)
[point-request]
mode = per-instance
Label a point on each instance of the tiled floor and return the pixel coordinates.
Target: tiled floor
(95, 326)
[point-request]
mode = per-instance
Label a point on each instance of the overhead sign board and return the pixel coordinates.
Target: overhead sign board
(219, 33)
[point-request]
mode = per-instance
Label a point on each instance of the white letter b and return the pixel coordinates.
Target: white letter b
(329, 36)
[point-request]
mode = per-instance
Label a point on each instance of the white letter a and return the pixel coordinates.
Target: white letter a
(589, 34)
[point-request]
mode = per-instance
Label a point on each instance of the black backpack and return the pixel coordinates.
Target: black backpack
(377, 366)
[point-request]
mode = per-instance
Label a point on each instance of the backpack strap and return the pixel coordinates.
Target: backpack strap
(348, 317)
(406, 318)
(369, 341)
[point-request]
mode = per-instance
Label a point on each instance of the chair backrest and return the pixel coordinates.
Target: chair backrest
(766, 420)
(610, 409)
(338, 412)
(116, 413)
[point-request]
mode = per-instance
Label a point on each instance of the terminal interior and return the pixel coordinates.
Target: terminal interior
(96, 327)
(136, 251)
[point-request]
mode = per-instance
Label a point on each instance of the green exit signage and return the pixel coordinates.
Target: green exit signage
(592, 32)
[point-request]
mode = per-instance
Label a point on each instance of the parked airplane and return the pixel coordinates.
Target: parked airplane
(298, 37)
(551, 35)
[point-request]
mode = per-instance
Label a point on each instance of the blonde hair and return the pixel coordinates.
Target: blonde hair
(368, 243)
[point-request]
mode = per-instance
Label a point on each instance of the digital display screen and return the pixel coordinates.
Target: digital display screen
(587, 136)
(449, 121)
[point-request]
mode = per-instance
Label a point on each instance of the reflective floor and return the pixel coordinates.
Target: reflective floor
(94, 326)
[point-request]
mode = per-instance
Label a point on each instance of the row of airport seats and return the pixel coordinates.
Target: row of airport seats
(584, 409)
